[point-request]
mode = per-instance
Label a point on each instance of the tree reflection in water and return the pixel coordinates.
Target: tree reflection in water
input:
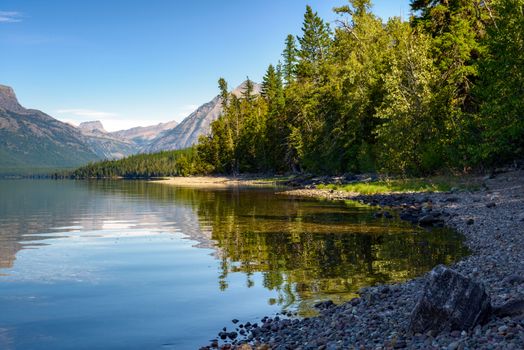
(312, 250)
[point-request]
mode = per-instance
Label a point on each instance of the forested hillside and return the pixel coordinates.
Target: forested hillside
(442, 91)
(166, 163)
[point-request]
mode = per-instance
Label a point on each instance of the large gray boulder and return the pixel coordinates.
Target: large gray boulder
(451, 301)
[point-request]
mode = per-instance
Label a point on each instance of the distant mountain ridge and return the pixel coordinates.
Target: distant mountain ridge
(187, 133)
(93, 126)
(31, 138)
(8, 100)
(142, 135)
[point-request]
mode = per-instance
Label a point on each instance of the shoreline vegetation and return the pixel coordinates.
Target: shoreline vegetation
(329, 186)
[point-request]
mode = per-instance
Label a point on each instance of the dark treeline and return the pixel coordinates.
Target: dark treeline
(167, 163)
(442, 91)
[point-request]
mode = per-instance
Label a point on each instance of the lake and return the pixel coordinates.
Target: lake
(142, 265)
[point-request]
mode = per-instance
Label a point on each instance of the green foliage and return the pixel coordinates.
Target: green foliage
(436, 184)
(500, 122)
(166, 163)
(290, 59)
(314, 44)
(406, 111)
(442, 91)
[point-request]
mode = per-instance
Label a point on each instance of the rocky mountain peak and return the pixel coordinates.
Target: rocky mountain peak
(8, 100)
(92, 126)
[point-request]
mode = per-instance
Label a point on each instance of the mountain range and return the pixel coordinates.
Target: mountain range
(31, 139)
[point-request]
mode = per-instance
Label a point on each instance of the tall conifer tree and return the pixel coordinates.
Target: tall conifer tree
(290, 59)
(314, 43)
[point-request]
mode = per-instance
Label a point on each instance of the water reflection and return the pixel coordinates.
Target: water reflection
(126, 242)
(306, 250)
(310, 250)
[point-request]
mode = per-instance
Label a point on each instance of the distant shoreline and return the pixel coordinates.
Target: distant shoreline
(220, 181)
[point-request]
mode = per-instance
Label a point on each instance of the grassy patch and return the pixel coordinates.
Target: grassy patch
(435, 184)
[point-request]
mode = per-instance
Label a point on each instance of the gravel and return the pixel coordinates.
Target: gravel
(492, 221)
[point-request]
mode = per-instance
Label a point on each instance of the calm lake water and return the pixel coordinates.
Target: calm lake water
(139, 265)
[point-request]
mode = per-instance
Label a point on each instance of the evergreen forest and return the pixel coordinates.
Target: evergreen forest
(441, 91)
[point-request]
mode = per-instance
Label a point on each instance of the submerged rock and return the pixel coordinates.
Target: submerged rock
(451, 301)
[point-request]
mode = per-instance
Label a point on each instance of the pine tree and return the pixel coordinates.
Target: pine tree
(269, 84)
(290, 59)
(224, 93)
(249, 89)
(314, 43)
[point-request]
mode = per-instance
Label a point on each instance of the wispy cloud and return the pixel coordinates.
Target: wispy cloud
(10, 17)
(87, 113)
(184, 111)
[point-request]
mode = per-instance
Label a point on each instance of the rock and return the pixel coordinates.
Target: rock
(428, 220)
(470, 222)
(513, 279)
(511, 308)
(232, 335)
(324, 305)
(454, 345)
(450, 301)
(235, 321)
(491, 205)
(400, 344)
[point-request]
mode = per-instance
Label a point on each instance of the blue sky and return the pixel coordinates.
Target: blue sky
(141, 62)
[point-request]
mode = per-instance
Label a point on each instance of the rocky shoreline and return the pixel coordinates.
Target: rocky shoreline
(492, 221)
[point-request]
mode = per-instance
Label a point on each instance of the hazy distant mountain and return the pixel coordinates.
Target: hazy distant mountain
(105, 144)
(198, 123)
(32, 139)
(92, 127)
(143, 135)
(189, 130)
